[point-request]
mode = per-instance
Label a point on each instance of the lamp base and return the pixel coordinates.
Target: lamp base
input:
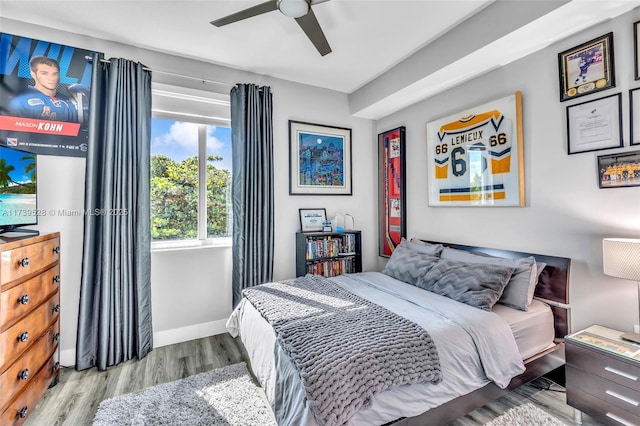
(631, 337)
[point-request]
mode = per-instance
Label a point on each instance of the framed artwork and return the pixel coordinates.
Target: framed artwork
(587, 68)
(475, 157)
(594, 125)
(311, 220)
(391, 174)
(618, 170)
(634, 116)
(636, 46)
(319, 159)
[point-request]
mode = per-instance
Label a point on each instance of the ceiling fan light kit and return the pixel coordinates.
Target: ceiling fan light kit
(294, 8)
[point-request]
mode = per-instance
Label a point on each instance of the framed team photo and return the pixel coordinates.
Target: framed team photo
(636, 46)
(319, 159)
(475, 157)
(594, 125)
(619, 170)
(391, 173)
(634, 116)
(587, 68)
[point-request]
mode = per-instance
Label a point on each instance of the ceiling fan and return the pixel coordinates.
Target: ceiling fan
(298, 9)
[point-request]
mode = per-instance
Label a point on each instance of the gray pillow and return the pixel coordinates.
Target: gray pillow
(519, 291)
(475, 284)
(408, 265)
(423, 246)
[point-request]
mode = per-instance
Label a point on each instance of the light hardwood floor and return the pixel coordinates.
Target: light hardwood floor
(75, 399)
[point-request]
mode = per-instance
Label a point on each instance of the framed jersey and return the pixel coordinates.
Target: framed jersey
(475, 157)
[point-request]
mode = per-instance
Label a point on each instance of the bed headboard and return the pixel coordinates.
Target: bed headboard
(553, 284)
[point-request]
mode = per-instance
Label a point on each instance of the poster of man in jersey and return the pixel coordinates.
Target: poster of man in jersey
(475, 157)
(44, 96)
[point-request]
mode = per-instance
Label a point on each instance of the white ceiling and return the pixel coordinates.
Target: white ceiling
(368, 37)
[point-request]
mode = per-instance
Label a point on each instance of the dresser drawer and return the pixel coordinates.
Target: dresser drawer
(22, 261)
(600, 410)
(21, 299)
(605, 390)
(21, 372)
(16, 412)
(604, 365)
(18, 338)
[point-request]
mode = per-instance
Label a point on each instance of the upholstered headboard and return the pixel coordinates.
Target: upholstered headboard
(553, 284)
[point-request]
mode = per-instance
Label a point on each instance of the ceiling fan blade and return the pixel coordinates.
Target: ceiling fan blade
(259, 9)
(311, 27)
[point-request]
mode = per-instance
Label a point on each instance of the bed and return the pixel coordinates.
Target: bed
(471, 374)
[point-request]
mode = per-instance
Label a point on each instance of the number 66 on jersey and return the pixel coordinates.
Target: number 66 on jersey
(475, 157)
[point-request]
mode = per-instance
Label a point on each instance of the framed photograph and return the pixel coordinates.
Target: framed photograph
(617, 170)
(636, 46)
(311, 219)
(594, 125)
(587, 68)
(634, 116)
(391, 174)
(319, 159)
(475, 157)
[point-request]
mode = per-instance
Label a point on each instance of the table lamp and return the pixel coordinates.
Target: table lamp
(621, 258)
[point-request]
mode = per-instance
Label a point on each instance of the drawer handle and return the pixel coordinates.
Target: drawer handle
(24, 299)
(56, 249)
(619, 419)
(24, 262)
(621, 373)
(24, 336)
(56, 279)
(24, 374)
(622, 397)
(56, 308)
(22, 413)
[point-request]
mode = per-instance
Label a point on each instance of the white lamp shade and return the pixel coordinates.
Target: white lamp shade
(293, 8)
(621, 257)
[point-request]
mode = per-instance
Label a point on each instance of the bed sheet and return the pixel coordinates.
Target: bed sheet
(452, 326)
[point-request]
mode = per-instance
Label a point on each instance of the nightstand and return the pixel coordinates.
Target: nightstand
(603, 376)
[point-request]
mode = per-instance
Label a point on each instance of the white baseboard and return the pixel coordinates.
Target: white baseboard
(165, 338)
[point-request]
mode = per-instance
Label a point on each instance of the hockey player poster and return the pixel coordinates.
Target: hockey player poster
(44, 96)
(475, 157)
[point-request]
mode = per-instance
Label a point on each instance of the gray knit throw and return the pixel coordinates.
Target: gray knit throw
(346, 349)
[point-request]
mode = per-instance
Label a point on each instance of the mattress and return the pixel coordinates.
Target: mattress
(533, 330)
(469, 356)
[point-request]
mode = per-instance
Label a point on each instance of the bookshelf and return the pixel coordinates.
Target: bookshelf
(328, 253)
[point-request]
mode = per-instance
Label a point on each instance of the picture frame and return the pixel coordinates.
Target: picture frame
(619, 170)
(319, 159)
(475, 157)
(587, 68)
(634, 116)
(595, 125)
(391, 186)
(636, 46)
(311, 220)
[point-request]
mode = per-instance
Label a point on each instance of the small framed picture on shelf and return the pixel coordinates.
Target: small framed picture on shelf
(312, 220)
(617, 170)
(594, 125)
(587, 68)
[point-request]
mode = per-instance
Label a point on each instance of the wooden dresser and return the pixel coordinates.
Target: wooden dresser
(603, 376)
(29, 323)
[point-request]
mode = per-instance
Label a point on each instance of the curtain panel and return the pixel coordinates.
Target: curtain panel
(114, 321)
(252, 187)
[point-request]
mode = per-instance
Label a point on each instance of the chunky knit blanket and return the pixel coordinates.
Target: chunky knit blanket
(346, 349)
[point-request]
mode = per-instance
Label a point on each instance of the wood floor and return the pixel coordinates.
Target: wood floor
(75, 399)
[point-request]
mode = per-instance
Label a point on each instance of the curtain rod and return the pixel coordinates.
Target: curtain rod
(204, 80)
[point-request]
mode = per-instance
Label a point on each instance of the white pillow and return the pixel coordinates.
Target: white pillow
(519, 291)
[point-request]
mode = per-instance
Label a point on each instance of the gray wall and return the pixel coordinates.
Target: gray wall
(566, 214)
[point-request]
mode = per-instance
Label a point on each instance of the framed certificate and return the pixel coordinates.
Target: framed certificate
(311, 220)
(594, 125)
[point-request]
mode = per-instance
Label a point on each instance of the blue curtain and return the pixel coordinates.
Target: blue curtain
(252, 188)
(114, 321)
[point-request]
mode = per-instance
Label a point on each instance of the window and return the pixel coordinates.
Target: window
(190, 180)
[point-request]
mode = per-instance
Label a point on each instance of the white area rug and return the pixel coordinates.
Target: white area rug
(225, 396)
(525, 415)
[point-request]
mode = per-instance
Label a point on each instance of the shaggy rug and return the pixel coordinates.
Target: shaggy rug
(225, 396)
(525, 415)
